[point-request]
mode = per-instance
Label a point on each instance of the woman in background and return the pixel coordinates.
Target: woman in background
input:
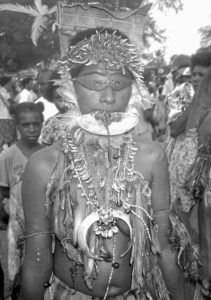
(29, 119)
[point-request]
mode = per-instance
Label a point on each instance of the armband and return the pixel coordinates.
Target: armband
(162, 219)
(162, 212)
(32, 235)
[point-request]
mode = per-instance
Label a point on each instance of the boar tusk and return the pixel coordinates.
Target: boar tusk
(82, 234)
(89, 221)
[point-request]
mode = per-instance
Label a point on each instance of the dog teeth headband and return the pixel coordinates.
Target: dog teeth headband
(111, 49)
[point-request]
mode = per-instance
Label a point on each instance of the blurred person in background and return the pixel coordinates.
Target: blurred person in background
(26, 94)
(187, 130)
(182, 95)
(177, 63)
(46, 93)
(198, 181)
(7, 123)
(29, 119)
(200, 62)
(193, 198)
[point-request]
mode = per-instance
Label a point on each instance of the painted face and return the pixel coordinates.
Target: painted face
(29, 126)
(197, 75)
(98, 88)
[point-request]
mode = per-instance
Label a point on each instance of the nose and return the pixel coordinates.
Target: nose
(31, 128)
(108, 96)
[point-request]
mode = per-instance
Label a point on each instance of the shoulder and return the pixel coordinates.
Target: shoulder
(8, 152)
(42, 162)
(151, 150)
(46, 156)
(150, 159)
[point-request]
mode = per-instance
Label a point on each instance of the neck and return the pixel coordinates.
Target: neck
(28, 148)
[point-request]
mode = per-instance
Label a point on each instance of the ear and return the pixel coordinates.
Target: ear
(18, 131)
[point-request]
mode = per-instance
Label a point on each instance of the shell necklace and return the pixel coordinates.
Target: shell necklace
(102, 175)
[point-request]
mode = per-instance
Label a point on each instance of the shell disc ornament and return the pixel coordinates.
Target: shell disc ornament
(119, 123)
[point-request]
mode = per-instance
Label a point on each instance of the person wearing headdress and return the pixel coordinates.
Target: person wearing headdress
(46, 91)
(26, 94)
(96, 202)
(199, 65)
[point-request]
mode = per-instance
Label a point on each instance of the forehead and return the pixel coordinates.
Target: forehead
(200, 69)
(101, 70)
(29, 116)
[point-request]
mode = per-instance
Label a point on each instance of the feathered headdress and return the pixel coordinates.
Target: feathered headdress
(126, 16)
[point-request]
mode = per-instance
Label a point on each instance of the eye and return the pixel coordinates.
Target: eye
(98, 84)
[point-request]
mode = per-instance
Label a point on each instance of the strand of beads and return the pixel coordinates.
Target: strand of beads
(112, 269)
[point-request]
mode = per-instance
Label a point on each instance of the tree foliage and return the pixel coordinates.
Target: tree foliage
(205, 33)
(17, 50)
(177, 5)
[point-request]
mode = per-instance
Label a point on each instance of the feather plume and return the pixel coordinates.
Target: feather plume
(38, 27)
(20, 8)
(52, 9)
(39, 5)
(39, 12)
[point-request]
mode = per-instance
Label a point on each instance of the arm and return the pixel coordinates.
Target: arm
(37, 266)
(172, 275)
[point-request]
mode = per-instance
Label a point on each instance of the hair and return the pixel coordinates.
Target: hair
(86, 34)
(201, 58)
(4, 80)
(51, 86)
(47, 77)
(180, 61)
(25, 81)
(27, 107)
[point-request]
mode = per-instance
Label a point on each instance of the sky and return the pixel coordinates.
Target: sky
(182, 28)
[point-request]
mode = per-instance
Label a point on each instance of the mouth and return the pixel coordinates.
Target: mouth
(32, 138)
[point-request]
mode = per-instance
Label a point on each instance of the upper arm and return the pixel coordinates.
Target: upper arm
(36, 220)
(38, 259)
(161, 194)
(154, 167)
(33, 195)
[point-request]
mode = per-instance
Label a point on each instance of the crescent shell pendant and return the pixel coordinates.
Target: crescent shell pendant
(89, 221)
